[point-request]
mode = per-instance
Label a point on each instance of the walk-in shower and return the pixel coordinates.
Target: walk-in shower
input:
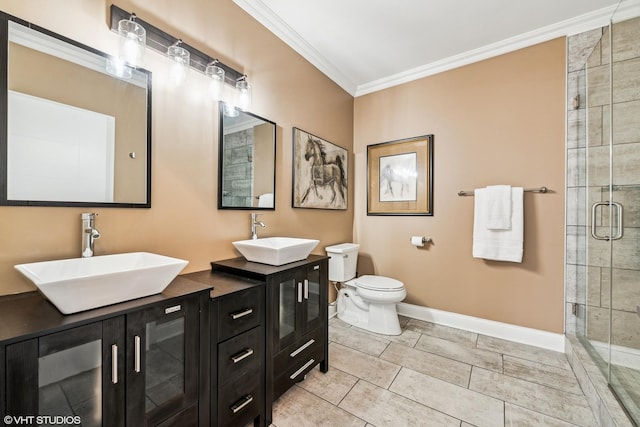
(603, 200)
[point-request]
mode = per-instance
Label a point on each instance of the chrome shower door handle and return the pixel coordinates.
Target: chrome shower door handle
(619, 228)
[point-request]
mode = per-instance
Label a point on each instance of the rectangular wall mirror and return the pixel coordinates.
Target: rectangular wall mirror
(247, 157)
(71, 133)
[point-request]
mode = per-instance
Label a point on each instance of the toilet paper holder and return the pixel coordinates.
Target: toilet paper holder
(425, 240)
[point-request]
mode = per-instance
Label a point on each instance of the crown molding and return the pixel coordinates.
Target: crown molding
(568, 27)
(598, 18)
(264, 15)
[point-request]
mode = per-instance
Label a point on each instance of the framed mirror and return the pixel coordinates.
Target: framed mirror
(247, 160)
(72, 133)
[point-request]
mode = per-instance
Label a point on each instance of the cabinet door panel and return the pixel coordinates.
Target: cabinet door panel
(113, 375)
(313, 298)
(288, 298)
(69, 373)
(22, 378)
(162, 365)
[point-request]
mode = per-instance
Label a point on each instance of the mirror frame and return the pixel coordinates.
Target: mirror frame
(221, 108)
(4, 139)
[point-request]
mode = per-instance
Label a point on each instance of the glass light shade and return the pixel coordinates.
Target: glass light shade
(244, 95)
(230, 110)
(216, 87)
(118, 68)
(180, 58)
(133, 40)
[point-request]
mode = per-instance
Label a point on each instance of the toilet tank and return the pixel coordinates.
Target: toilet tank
(342, 261)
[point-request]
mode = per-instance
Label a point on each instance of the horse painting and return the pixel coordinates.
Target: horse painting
(325, 178)
(398, 178)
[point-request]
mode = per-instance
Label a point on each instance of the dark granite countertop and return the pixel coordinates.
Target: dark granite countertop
(26, 315)
(259, 271)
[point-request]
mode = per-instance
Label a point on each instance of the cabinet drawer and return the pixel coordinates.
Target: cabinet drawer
(240, 401)
(297, 372)
(239, 312)
(240, 354)
(293, 354)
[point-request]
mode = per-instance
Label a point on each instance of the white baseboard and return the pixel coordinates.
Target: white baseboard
(506, 331)
(333, 310)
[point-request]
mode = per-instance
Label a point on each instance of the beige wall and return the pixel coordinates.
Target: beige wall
(496, 121)
(183, 220)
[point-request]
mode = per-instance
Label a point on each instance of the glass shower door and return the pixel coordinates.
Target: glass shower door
(622, 296)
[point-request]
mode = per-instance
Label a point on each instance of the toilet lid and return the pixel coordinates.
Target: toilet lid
(378, 283)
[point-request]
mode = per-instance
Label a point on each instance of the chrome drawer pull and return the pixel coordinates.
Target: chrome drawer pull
(239, 314)
(242, 355)
(301, 370)
(114, 364)
(237, 407)
(306, 289)
(302, 347)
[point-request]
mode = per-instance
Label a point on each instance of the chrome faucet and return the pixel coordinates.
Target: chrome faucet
(89, 234)
(254, 223)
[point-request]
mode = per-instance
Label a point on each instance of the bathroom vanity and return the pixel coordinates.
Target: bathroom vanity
(297, 335)
(133, 363)
(215, 348)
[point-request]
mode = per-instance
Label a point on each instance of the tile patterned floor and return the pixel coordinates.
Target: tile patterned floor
(433, 375)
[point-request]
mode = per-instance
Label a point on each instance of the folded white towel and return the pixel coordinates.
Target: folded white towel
(498, 245)
(498, 207)
(265, 200)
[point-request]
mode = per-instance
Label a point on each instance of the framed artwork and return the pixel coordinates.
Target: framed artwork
(319, 173)
(400, 177)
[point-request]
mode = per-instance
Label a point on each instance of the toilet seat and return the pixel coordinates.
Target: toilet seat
(377, 283)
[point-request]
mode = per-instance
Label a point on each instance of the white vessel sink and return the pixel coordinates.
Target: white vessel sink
(79, 284)
(276, 250)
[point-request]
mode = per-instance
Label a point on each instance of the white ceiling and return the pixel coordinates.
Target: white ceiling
(368, 45)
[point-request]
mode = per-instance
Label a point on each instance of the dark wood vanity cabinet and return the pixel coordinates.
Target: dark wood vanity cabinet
(296, 319)
(237, 358)
(131, 364)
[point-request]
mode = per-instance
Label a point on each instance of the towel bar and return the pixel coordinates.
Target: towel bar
(532, 190)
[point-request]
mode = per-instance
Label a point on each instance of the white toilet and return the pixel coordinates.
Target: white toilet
(368, 302)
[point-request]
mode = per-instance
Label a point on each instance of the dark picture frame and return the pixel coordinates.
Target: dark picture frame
(400, 177)
(320, 171)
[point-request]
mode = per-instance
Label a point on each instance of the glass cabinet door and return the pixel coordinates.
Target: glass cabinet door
(162, 361)
(312, 296)
(289, 291)
(76, 374)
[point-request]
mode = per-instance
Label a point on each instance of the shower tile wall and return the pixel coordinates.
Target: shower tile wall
(588, 259)
(238, 172)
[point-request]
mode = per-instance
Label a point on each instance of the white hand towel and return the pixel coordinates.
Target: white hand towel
(265, 200)
(498, 245)
(498, 206)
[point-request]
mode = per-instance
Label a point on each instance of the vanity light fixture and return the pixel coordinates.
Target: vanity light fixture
(216, 74)
(230, 110)
(244, 93)
(232, 86)
(180, 61)
(133, 40)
